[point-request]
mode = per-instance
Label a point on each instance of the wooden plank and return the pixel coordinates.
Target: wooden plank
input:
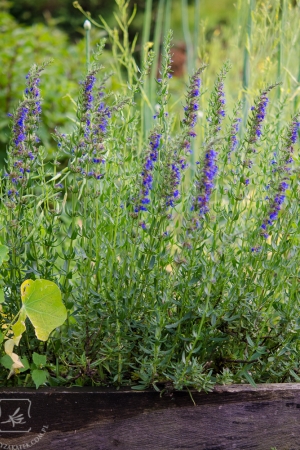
(232, 417)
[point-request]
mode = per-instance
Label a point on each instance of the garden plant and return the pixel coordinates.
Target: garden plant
(165, 252)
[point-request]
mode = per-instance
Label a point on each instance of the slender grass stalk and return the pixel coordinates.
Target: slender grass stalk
(197, 17)
(145, 113)
(146, 27)
(156, 48)
(167, 18)
(191, 53)
(187, 35)
(281, 44)
(87, 26)
(247, 53)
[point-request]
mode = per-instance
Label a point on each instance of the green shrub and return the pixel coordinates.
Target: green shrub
(21, 47)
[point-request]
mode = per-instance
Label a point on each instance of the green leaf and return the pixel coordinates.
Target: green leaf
(2, 298)
(1, 337)
(6, 361)
(139, 387)
(39, 360)
(213, 320)
(175, 324)
(3, 253)
(230, 319)
(152, 262)
(294, 375)
(194, 280)
(43, 306)
(25, 363)
(248, 377)
(249, 340)
(39, 377)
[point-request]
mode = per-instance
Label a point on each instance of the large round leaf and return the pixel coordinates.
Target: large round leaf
(43, 306)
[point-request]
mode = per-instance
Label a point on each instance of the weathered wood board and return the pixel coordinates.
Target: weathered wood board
(232, 417)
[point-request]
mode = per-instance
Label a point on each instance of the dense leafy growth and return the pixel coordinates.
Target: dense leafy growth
(173, 239)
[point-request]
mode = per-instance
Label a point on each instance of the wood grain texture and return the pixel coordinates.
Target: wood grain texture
(232, 417)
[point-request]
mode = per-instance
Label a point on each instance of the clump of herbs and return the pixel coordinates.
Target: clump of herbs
(168, 274)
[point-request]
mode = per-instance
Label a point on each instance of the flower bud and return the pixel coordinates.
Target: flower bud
(87, 25)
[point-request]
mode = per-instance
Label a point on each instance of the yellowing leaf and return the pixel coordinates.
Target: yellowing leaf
(10, 343)
(8, 347)
(19, 327)
(16, 365)
(43, 306)
(17, 362)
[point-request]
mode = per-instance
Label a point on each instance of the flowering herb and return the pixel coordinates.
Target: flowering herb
(235, 123)
(23, 149)
(258, 114)
(147, 173)
(181, 146)
(168, 296)
(93, 114)
(206, 172)
(284, 172)
(233, 135)
(248, 147)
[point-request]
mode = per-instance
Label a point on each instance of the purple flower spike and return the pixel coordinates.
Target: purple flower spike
(283, 170)
(205, 184)
(94, 116)
(258, 115)
(177, 160)
(88, 91)
(293, 134)
(233, 140)
(256, 249)
(207, 171)
(147, 176)
(23, 146)
(190, 110)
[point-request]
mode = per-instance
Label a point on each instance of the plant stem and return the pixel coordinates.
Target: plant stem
(247, 52)
(187, 35)
(87, 26)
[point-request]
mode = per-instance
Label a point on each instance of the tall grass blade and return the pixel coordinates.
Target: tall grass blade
(167, 18)
(196, 27)
(281, 42)
(187, 35)
(150, 87)
(247, 52)
(146, 26)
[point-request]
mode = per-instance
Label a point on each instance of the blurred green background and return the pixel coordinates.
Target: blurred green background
(61, 13)
(33, 31)
(261, 38)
